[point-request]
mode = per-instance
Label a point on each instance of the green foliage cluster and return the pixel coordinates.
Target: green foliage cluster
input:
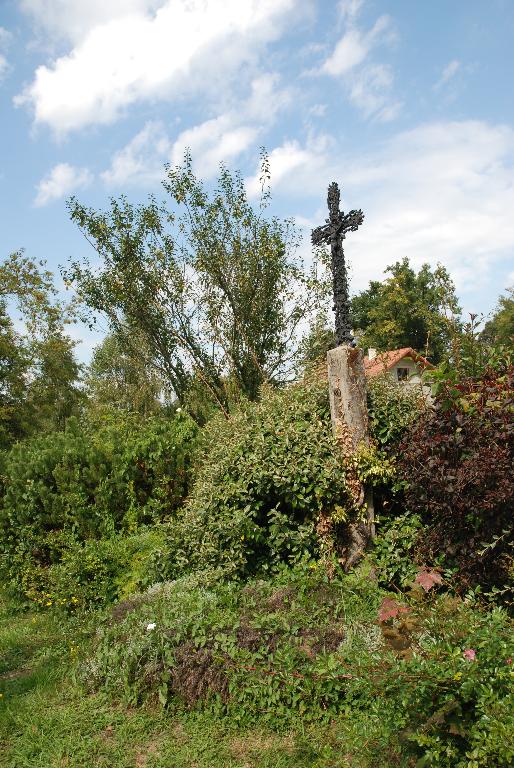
(392, 408)
(64, 492)
(407, 309)
(393, 550)
(94, 573)
(500, 328)
(448, 696)
(303, 649)
(266, 475)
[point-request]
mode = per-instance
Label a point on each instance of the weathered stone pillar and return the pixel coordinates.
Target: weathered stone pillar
(349, 413)
(347, 392)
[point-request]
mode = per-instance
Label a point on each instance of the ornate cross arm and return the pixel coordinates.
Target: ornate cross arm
(321, 234)
(347, 222)
(351, 221)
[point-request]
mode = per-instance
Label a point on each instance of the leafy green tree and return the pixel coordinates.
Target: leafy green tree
(14, 362)
(214, 288)
(500, 328)
(53, 393)
(38, 370)
(31, 287)
(407, 309)
(119, 380)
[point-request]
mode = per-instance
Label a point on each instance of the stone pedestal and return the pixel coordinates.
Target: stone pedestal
(347, 392)
(349, 413)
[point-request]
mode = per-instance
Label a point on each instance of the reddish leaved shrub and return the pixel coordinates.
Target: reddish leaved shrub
(458, 462)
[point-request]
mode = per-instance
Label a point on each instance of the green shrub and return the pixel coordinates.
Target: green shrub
(66, 490)
(93, 573)
(450, 700)
(267, 651)
(267, 474)
(393, 550)
(392, 407)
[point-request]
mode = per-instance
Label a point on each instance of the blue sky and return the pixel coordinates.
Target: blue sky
(408, 105)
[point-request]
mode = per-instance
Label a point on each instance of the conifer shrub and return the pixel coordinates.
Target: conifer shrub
(457, 462)
(267, 476)
(64, 492)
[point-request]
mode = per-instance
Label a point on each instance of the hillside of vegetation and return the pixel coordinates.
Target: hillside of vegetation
(170, 594)
(174, 518)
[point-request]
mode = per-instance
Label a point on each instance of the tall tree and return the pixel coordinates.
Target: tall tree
(215, 289)
(119, 380)
(500, 328)
(53, 393)
(38, 370)
(408, 309)
(14, 363)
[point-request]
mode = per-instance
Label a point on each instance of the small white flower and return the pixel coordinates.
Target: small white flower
(179, 410)
(151, 626)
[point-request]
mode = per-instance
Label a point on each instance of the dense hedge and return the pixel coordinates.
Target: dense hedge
(266, 476)
(63, 490)
(457, 461)
(392, 408)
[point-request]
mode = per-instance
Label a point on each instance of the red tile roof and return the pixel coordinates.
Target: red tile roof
(384, 361)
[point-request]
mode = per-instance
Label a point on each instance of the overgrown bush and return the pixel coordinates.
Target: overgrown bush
(65, 490)
(267, 474)
(444, 690)
(392, 408)
(393, 550)
(95, 572)
(267, 651)
(431, 677)
(458, 463)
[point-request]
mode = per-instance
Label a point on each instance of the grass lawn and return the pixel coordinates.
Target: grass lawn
(46, 720)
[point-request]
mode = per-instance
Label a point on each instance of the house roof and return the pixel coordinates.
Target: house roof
(384, 361)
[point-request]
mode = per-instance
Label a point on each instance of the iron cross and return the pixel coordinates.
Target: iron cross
(333, 232)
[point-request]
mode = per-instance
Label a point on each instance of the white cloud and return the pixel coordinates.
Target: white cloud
(368, 85)
(350, 51)
(212, 142)
(142, 159)
(448, 73)
(293, 165)
(353, 48)
(440, 192)
(370, 92)
(222, 138)
(72, 20)
(349, 9)
(318, 110)
(62, 180)
(184, 47)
